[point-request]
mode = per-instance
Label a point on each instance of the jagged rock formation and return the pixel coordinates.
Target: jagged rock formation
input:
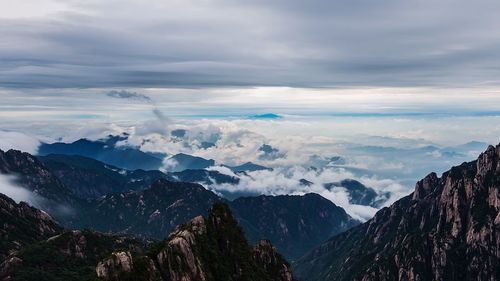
(208, 249)
(295, 224)
(447, 229)
(21, 225)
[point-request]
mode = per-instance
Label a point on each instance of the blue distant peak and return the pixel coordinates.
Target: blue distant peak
(266, 116)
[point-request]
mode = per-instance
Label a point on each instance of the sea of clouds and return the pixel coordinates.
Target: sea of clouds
(383, 139)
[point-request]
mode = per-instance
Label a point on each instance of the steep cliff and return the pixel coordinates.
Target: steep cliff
(447, 229)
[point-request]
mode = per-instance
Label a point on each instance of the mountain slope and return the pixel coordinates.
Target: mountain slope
(153, 210)
(21, 225)
(447, 229)
(90, 178)
(151, 213)
(295, 224)
(33, 175)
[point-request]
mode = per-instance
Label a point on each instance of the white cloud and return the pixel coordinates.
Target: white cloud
(18, 141)
(16, 192)
(287, 181)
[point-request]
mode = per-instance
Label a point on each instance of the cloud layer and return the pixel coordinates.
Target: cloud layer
(132, 43)
(18, 193)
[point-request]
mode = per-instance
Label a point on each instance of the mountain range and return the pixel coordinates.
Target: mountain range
(113, 151)
(166, 229)
(150, 204)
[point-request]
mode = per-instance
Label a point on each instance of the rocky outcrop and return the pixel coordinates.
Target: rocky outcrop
(113, 268)
(448, 229)
(215, 248)
(180, 260)
(209, 248)
(266, 256)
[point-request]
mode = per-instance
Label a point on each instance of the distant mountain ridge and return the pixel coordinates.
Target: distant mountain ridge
(359, 193)
(248, 167)
(182, 161)
(88, 178)
(106, 151)
(132, 158)
(306, 220)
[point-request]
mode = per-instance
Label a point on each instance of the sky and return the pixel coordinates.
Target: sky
(214, 43)
(394, 88)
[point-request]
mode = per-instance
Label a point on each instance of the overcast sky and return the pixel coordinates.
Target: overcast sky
(218, 43)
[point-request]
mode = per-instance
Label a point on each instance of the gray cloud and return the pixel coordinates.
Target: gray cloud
(129, 95)
(254, 43)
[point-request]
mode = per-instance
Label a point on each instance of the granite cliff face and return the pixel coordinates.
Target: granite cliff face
(206, 248)
(447, 229)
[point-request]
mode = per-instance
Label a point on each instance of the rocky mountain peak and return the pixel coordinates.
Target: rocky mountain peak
(214, 248)
(425, 186)
(120, 263)
(448, 229)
